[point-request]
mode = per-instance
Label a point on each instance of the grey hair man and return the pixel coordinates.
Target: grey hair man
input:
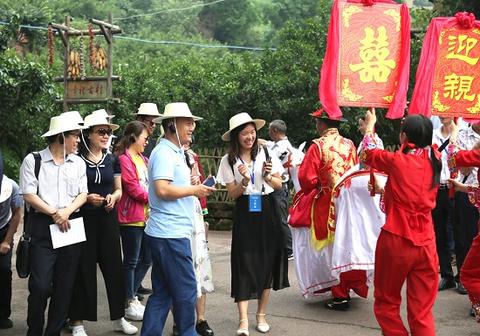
(281, 146)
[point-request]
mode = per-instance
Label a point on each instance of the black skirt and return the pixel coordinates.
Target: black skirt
(258, 258)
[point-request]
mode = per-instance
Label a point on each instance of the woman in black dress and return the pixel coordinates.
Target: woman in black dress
(102, 232)
(258, 261)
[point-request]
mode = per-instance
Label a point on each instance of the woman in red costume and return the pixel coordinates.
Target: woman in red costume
(406, 246)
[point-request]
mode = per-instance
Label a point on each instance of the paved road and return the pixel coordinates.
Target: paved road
(288, 313)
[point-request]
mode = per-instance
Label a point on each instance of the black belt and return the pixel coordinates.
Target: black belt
(443, 186)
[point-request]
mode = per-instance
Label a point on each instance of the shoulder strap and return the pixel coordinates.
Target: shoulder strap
(26, 213)
(38, 161)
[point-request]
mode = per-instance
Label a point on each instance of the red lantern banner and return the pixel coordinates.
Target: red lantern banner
(448, 75)
(368, 57)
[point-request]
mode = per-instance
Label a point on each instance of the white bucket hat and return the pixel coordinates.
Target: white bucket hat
(96, 119)
(103, 113)
(148, 109)
(60, 124)
(176, 110)
(7, 188)
(239, 120)
(74, 115)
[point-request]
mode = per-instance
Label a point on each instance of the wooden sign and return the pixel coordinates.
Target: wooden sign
(86, 89)
(456, 83)
(369, 55)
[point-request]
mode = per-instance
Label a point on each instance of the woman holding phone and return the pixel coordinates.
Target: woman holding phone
(257, 259)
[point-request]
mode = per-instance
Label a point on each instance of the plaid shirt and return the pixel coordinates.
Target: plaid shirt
(466, 139)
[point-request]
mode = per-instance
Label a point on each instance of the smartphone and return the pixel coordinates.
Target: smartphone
(211, 181)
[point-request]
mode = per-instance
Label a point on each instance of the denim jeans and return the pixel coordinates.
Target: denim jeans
(174, 285)
(136, 258)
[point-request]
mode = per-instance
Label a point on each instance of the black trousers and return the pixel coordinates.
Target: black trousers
(280, 202)
(102, 246)
(441, 215)
(5, 279)
(465, 227)
(52, 275)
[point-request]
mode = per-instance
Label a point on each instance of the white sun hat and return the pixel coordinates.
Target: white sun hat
(96, 119)
(176, 110)
(75, 115)
(7, 188)
(239, 120)
(60, 124)
(148, 109)
(103, 113)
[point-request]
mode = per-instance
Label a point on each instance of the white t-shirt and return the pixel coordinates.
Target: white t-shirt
(225, 174)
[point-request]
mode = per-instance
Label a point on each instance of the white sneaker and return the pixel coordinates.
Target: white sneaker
(78, 331)
(133, 313)
(138, 305)
(124, 326)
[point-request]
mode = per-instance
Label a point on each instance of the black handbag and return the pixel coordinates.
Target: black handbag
(22, 263)
(23, 255)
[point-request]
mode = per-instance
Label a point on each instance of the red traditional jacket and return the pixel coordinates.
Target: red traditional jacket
(327, 159)
(409, 192)
(467, 158)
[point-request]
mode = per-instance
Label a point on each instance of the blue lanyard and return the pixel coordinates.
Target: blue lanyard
(252, 173)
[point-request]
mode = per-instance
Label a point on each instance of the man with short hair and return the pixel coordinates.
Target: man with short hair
(11, 204)
(54, 197)
(281, 146)
(170, 225)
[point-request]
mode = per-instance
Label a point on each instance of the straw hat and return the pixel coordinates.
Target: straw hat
(103, 113)
(74, 115)
(7, 188)
(176, 110)
(148, 109)
(239, 120)
(95, 119)
(62, 123)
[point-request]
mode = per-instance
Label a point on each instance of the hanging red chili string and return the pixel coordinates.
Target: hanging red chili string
(50, 45)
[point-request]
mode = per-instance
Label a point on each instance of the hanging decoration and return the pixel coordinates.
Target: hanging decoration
(51, 49)
(367, 57)
(447, 80)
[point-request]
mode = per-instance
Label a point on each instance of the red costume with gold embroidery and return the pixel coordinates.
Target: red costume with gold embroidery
(325, 162)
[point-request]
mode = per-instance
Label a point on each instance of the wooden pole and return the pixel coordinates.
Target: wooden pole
(65, 64)
(109, 57)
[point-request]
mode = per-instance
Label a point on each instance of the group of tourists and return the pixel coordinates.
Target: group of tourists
(142, 206)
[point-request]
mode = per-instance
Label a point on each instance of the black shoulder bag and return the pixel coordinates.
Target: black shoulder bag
(23, 249)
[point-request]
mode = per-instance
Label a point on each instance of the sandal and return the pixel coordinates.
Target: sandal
(262, 327)
(242, 331)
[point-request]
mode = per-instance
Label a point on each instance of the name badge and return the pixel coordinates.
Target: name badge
(255, 203)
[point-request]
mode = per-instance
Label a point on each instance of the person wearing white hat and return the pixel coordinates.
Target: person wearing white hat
(146, 113)
(54, 197)
(258, 263)
(74, 116)
(170, 225)
(101, 229)
(11, 204)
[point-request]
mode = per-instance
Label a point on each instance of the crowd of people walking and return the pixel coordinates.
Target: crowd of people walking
(141, 204)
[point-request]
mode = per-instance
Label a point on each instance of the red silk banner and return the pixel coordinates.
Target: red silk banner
(368, 57)
(448, 75)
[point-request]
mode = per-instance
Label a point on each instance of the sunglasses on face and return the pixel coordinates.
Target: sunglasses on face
(104, 131)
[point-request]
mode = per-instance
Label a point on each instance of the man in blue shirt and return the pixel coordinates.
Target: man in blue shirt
(169, 227)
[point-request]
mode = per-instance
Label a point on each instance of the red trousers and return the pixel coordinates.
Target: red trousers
(470, 273)
(397, 260)
(355, 280)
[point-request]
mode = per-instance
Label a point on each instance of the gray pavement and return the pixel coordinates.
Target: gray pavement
(288, 313)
